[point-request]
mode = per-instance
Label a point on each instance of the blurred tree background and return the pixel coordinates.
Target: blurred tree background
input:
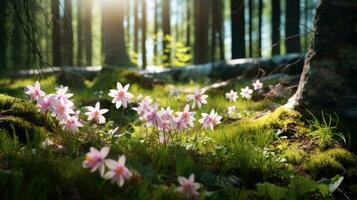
(141, 33)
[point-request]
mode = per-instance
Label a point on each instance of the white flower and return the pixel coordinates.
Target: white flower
(257, 85)
(35, 91)
(188, 187)
(121, 96)
(96, 114)
(210, 120)
(231, 111)
(232, 95)
(246, 92)
(198, 98)
(118, 171)
(144, 106)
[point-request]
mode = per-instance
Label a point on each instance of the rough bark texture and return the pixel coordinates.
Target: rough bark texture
(80, 33)
(3, 34)
(143, 29)
(56, 34)
(250, 21)
(238, 29)
(292, 26)
(166, 28)
(67, 34)
(113, 34)
(87, 27)
(201, 19)
(275, 27)
(328, 81)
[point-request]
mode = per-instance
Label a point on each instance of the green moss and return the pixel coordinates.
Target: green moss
(108, 79)
(284, 119)
(322, 165)
(22, 116)
(346, 158)
(294, 154)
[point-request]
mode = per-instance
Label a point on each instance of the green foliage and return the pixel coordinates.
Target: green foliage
(179, 55)
(324, 131)
(299, 188)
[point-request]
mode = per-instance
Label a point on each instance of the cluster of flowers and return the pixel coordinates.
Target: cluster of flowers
(61, 107)
(118, 172)
(166, 120)
(246, 93)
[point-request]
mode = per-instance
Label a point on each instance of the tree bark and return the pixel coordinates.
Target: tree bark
(136, 26)
(143, 30)
(166, 27)
(201, 19)
(260, 16)
(56, 34)
(188, 21)
(87, 27)
(113, 34)
(292, 26)
(275, 27)
(156, 30)
(67, 34)
(238, 29)
(3, 35)
(250, 10)
(328, 81)
(80, 32)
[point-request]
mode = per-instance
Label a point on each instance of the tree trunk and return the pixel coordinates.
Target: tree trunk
(221, 30)
(275, 27)
(329, 78)
(113, 34)
(80, 32)
(260, 16)
(166, 27)
(136, 26)
(201, 19)
(188, 21)
(18, 50)
(238, 29)
(87, 27)
(250, 10)
(3, 35)
(156, 30)
(67, 34)
(292, 27)
(143, 30)
(56, 34)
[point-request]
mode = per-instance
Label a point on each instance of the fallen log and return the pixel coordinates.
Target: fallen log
(290, 64)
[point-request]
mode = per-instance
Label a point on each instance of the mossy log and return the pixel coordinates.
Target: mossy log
(245, 68)
(23, 117)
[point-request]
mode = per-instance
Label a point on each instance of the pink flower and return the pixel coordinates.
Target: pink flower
(72, 123)
(185, 119)
(96, 114)
(167, 122)
(210, 120)
(45, 103)
(188, 187)
(246, 92)
(198, 98)
(95, 159)
(62, 110)
(35, 91)
(257, 85)
(118, 172)
(232, 113)
(61, 93)
(121, 95)
(144, 106)
(232, 96)
(152, 116)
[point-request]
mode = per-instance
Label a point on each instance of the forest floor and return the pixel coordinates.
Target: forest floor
(264, 151)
